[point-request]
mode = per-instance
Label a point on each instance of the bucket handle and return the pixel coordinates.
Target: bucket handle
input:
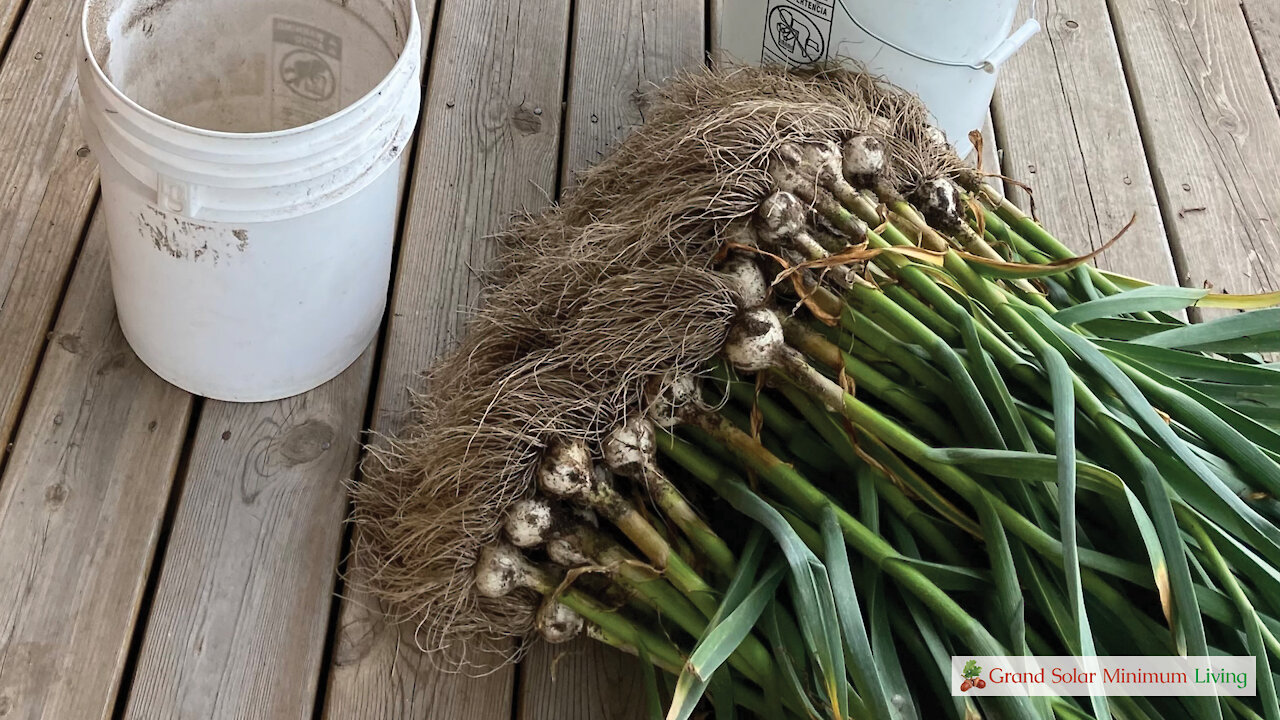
(990, 64)
(177, 196)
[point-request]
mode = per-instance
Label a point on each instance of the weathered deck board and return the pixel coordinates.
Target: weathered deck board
(242, 606)
(992, 155)
(614, 69)
(490, 145)
(611, 72)
(1212, 135)
(1068, 129)
(583, 680)
(1264, 23)
(47, 185)
(10, 15)
(81, 507)
(240, 614)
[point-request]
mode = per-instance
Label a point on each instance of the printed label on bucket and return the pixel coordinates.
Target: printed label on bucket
(307, 82)
(797, 32)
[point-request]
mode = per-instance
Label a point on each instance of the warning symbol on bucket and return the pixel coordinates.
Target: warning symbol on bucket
(796, 32)
(308, 74)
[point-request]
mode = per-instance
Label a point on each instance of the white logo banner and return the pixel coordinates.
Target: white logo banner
(1132, 675)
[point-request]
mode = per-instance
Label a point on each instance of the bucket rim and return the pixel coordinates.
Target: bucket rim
(983, 63)
(411, 42)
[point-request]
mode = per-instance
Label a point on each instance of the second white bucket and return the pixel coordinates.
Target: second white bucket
(250, 165)
(946, 51)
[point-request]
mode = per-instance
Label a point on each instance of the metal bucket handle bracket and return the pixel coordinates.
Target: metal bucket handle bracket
(991, 63)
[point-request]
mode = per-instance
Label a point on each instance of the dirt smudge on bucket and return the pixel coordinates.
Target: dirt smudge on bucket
(188, 240)
(145, 12)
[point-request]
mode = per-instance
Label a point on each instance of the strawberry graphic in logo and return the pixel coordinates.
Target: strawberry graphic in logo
(972, 677)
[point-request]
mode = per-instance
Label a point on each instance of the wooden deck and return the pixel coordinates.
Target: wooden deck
(162, 556)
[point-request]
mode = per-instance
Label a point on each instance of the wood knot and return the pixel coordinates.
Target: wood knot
(70, 342)
(526, 120)
(55, 495)
(306, 442)
(357, 637)
(115, 362)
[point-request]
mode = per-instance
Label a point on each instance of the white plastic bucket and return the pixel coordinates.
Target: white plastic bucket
(946, 51)
(250, 163)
